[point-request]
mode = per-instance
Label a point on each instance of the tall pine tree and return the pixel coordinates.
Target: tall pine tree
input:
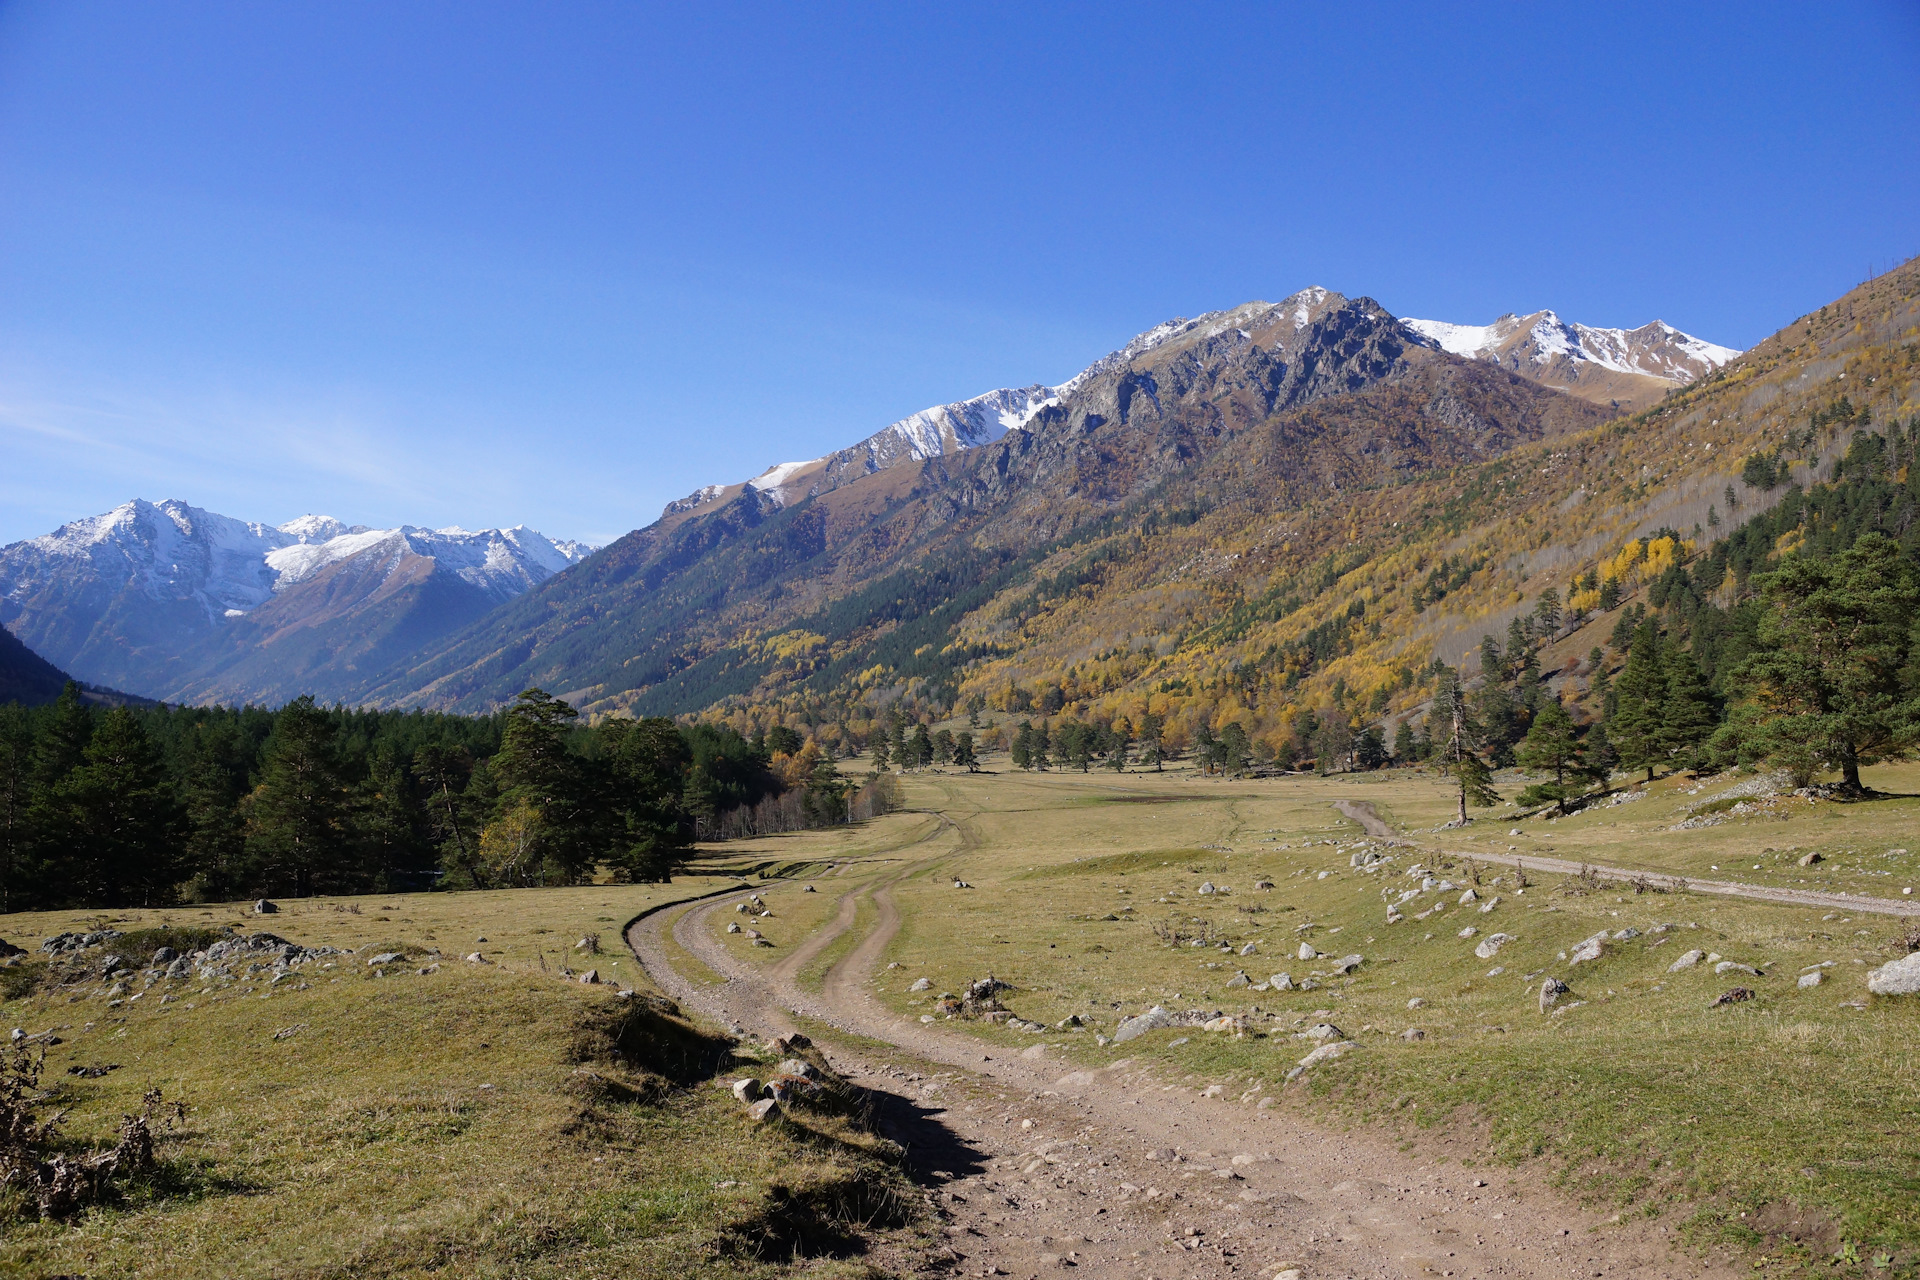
(1638, 725)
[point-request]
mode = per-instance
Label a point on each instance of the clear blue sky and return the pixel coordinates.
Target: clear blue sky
(558, 264)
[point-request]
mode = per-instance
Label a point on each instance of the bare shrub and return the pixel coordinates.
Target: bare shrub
(61, 1183)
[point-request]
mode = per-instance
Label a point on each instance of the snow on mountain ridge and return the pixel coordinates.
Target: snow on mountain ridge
(967, 424)
(1655, 350)
(174, 550)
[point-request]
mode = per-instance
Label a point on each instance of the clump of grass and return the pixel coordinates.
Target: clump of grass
(139, 944)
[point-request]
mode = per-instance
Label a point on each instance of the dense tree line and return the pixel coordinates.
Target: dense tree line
(146, 806)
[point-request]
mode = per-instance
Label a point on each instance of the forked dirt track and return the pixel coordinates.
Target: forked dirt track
(1041, 1169)
(1374, 825)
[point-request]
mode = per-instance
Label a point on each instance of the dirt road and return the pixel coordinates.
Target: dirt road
(1374, 825)
(1041, 1168)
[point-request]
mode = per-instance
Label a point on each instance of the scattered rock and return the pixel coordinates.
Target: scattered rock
(1808, 859)
(921, 984)
(1321, 1031)
(474, 957)
(765, 1111)
(590, 978)
(1416, 1003)
(1687, 961)
(164, 956)
(1152, 1020)
(1413, 1033)
(385, 957)
(1347, 964)
(1626, 935)
(1490, 945)
(733, 926)
(1490, 904)
(1469, 896)
(1281, 982)
(264, 908)
(1240, 979)
(1467, 932)
(1896, 977)
(1324, 1053)
(1734, 996)
(1725, 965)
(1591, 949)
(1263, 884)
(1307, 952)
(1550, 992)
(1813, 979)
(1206, 889)
(809, 889)
(1249, 949)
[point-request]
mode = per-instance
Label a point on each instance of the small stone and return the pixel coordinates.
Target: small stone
(1326, 1052)
(1321, 1031)
(385, 957)
(474, 957)
(590, 978)
(1591, 949)
(1687, 961)
(921, 984)
(264, 908)
(765, 1110)
(1813, 979)
(1734, 996)
(1490, 904)
(809, 889)
(1550, 992)
(1467, 932)
(1240, 980)
(733, 926)
(1896, 977)
(1248, 949)
(1413, 1033)
(164, 956)
(1726, 965)
(1808, 859)
(1281, 982)
(1206, 888)
(1416, 1003)
(1490, 945)
(1469, 896)
(1307, 952)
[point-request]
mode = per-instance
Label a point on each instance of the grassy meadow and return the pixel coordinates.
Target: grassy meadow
(481, 1120)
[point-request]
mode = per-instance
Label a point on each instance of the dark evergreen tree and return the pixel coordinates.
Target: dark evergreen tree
(1552, 744)
(1638, 723)
(1689, 713)
(298, 825)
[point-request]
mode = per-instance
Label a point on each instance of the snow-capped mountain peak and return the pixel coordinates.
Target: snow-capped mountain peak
(172, 550)
(1655, 350)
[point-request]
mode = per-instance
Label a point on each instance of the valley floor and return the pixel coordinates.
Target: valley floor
(435, 1115)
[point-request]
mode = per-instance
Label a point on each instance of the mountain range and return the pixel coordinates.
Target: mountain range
(937, 555)
(174, 602)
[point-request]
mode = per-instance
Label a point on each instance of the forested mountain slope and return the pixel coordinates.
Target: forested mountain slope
(752, 596)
